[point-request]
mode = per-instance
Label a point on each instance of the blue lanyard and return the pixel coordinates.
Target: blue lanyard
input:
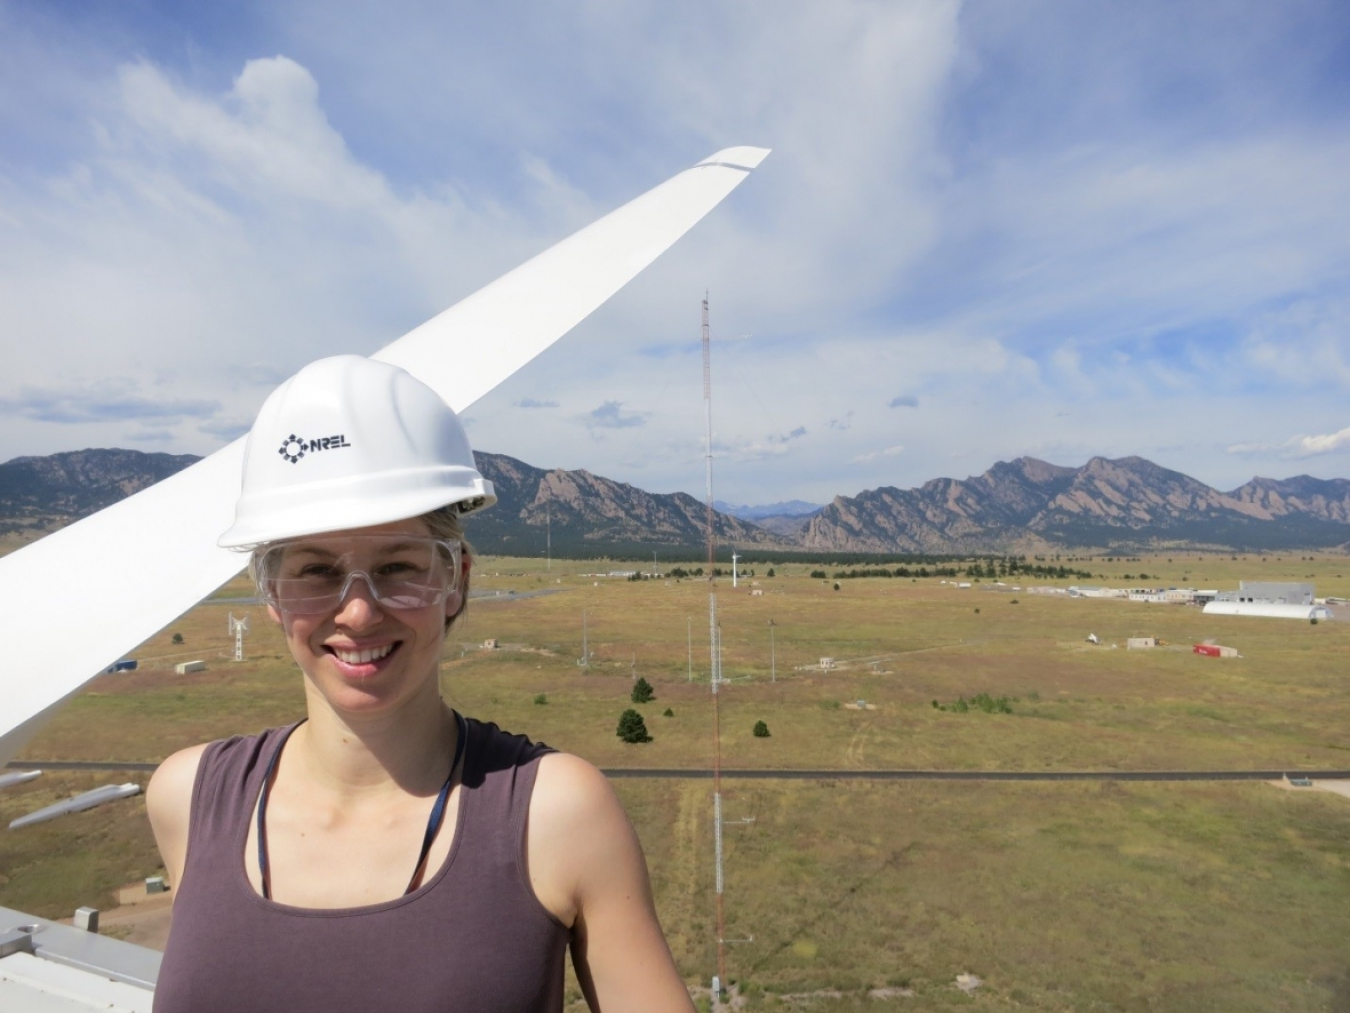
(434, 821)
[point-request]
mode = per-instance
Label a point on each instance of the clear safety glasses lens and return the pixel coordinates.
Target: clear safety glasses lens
(313, 575)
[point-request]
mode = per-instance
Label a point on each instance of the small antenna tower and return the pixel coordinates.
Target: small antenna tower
(548, 543)
(585, 661)
(238, 627)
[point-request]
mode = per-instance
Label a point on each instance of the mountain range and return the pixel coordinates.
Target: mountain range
(1025, 505)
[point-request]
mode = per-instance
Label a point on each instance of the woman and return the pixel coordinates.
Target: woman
(385, 852)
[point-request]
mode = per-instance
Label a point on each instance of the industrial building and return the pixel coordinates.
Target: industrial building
(1269, 592)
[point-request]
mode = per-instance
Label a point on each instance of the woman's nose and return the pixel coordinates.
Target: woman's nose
(358, 607)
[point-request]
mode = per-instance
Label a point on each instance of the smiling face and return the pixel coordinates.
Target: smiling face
(359, 656)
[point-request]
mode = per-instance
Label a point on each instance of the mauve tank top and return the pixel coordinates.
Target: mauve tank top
(472, 937)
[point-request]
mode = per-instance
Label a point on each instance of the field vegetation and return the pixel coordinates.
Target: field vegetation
(1065, 896)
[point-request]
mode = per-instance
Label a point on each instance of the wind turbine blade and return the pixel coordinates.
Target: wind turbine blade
(504, 325)
(80, 598)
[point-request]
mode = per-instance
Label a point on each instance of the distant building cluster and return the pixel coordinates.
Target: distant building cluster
(1272, 599)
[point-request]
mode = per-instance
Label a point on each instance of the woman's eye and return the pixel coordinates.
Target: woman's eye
(398, 568)
(318, 571)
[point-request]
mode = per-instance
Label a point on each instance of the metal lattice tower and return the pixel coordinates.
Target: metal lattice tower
(238, 627)
(715, 669)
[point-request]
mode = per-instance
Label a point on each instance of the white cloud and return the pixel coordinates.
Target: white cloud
(1298, 446)
(874, 455)
(994, 214)
(1307, 446)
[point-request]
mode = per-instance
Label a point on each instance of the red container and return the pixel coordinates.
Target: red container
(1208, 650)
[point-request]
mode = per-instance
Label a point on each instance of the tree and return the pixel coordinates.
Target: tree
(761, 730)
(178, 638)
(642, 691)
(770, 573)
(632, 728)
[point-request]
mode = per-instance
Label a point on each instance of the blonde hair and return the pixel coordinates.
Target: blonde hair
(444, 523)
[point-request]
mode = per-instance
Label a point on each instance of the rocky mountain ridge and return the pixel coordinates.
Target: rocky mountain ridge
(1124, 504)
(1025, 505)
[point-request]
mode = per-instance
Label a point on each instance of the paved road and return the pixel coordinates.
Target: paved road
(481, 597)
(696, 773)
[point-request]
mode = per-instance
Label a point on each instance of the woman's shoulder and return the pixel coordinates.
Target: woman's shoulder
(565, 787)
(171, 786)
(572, 796)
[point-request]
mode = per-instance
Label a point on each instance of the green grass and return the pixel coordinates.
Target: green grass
(1074, 896)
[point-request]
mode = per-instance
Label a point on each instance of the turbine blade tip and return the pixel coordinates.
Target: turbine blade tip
(743, 157)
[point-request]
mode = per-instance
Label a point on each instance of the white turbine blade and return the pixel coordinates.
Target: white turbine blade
(80, 598)
(502, 326)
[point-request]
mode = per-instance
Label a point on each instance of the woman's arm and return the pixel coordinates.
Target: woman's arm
(168, 803)
(586, 866)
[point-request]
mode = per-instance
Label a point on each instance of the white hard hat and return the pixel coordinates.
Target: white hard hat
(349, 442)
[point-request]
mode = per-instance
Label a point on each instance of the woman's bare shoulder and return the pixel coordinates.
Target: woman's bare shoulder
(578, 833)
(570, 789)
(168, 796)
(168, 803)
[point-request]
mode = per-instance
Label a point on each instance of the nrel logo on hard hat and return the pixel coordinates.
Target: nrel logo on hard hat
(295, 447)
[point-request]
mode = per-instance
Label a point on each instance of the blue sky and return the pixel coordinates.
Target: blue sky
(987, 229)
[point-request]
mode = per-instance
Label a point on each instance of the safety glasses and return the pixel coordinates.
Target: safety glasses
(308, 576)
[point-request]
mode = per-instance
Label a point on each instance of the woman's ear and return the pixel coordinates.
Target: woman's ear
(276, 616)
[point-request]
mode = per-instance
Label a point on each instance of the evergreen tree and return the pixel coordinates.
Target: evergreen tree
(761, 730)
(642, 691)
(632, 728)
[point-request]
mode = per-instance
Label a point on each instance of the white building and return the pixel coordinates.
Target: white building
(1270, 610)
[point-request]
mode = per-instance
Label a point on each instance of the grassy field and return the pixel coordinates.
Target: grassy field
(1061, 896)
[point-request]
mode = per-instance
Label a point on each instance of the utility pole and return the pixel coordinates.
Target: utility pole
(548, 543)
(734, 557)
(690, 633)
(773, 657)
(585, 661)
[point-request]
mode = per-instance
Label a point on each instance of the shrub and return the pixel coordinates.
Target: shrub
(1013, 602)
(818, 574)
(178, 638)
(980, 701)
(761, 730)
(770, 573)
(642, 691)
(836, 585)
(541, 698)
(668, 713)
(632, 728)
